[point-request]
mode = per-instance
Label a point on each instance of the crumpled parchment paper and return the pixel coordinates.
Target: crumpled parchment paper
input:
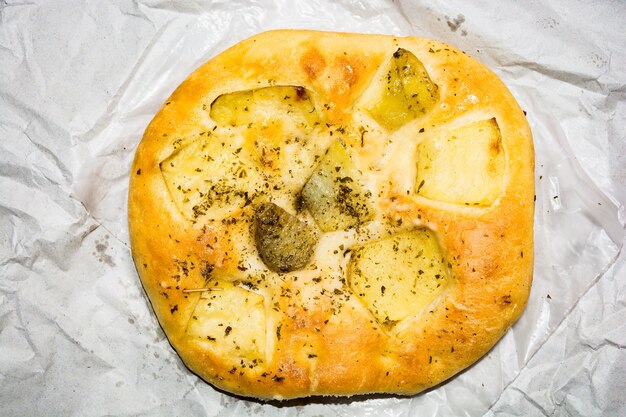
(79, 82)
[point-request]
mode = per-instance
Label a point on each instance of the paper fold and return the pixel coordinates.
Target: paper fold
(78, 85)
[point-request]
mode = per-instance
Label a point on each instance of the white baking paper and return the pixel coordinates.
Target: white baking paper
(80, 81)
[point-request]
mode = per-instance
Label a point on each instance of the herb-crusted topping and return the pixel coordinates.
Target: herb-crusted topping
(206, 180)
(400, 275)
(334, 195)
(311, 210)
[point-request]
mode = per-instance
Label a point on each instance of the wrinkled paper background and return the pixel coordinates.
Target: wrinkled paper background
(79, 82)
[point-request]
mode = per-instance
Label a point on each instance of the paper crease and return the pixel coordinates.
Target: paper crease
(79, 84)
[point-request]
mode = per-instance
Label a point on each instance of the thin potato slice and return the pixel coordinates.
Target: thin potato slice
(398, 276)
(207, 180)
(260, 105)
(231, 320)
(284, 242)
(406, 92)
(334, 195)
(270, 119)
(463, 166)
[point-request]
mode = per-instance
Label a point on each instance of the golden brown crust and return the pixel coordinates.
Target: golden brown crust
(332, 344)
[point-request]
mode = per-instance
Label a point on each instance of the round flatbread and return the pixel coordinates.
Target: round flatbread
(321, 213)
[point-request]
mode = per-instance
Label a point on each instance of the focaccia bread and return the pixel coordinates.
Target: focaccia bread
(321, 213)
